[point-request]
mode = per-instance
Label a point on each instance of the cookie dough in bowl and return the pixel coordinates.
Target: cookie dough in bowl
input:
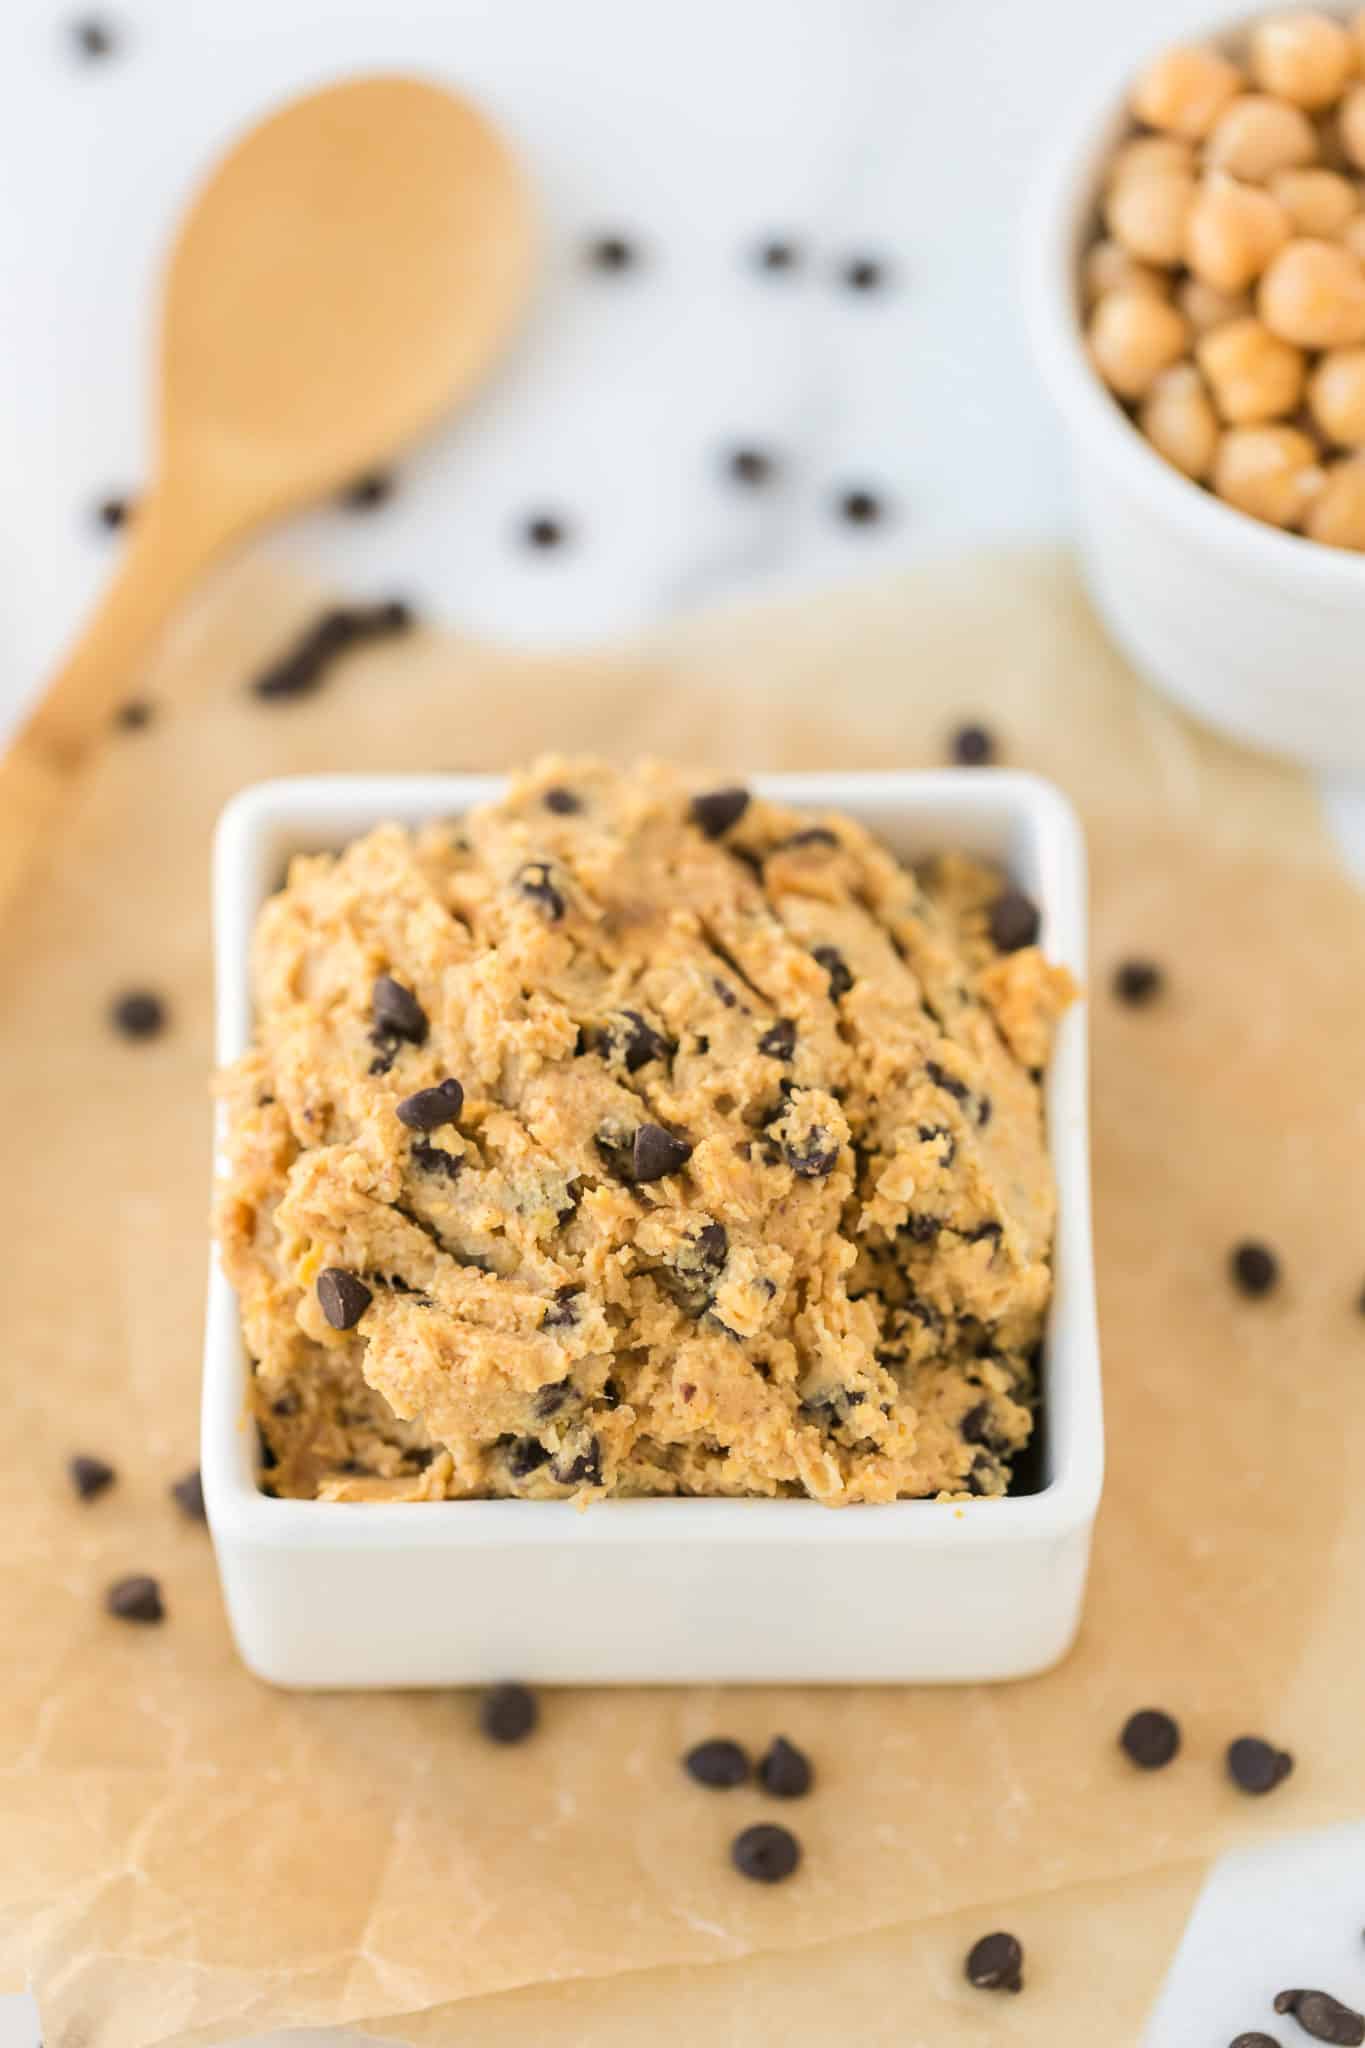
(618, 1139)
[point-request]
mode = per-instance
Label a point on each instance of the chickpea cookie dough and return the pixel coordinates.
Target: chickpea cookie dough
(619, 1140)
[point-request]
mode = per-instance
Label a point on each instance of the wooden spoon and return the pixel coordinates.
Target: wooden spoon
(346, 274)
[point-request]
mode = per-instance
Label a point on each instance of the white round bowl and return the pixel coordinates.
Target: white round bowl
(1260, 632)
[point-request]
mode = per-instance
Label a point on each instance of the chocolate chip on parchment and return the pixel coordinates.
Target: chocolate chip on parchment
(973, 746)
(1257, 1766)
(543, 532)
(779, 1040)
(836, 967)
(995, 1963)
(777, 255)
(139, 1014)
(533, 880)
(1013, 921)
(717, 1764)
(342, 1296)
(135, 715)
(1323, 2017)
(716, 810)
(863, 274)
(508, 1712)
(113, 513)
(429, 1108)
(611, 253)
(1254, 1267)
(860, 507)
(397, 1012)
(1254, 2041)
(1150, 1738)
(188, 1492)
(657, 1152)
(784, 1770)
(135, 1599)
(93, 37)
(369, 491)
(90, 1476)
(1138, 982)
(561, 801)
(304, 664)
(750, 466)
(766, 1853)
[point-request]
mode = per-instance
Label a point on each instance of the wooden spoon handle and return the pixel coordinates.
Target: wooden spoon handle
(170, 543)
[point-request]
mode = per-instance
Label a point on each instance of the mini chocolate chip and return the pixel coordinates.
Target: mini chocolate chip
(836, 967)
(1255, 1268)
(288, 1403)
(1013, 920)
(984, 1111)
(397, 1012)
(814, 835)
(718, 809)
(93, 37)
(343, 1297)
(862, 274)
(386, 1053)
(429, 1158)
(135, 1599)
(1149, 1738)
(657, 1152)
(785, 1771)
(188, 1492)
(995, 1963)
(642, 1043)
(90, 1476)
(779, 1040)
(750, 466)
(112, 513)
(611, 1394)
(949, 1083)
(931, 1134)
(562, 1312)
(921, 1229)
(508, 1713)
(981, 1233)
(860, 507)
(304, 664)
(1257, 1766)
(724, 994)
(713, 1243)
(533, 880)
(1137, 982)
(611, 252)
(562, 802)
(1323, 2017)
(814, 1155)
(526, 1454)
(777, 255)
(429, 1108)
(718, 1764)
(973, 1428)
(139, 1014)
(551, 1398)
(369, 491)
(543, 532)
(133, 716)
(584, 1469)
(766, 1853)
(1254, 2041)
(973, 746)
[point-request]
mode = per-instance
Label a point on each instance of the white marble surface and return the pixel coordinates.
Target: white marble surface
(897, 129)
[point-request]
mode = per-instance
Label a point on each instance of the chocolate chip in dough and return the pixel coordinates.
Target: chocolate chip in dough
(657, 1152)
(135, 1599)
(784, 1770)
(368, 492)
(90, 1476)
(508, 1713)
(139, 1014)
(1323, 2017)
(533, 880)
(750, 466)
(611, 253)
(561, 801)
(1013, 921)
(343, 1297)
(973, 746)
(551, 1397)
(642, 1043)
(779, 1040)
(429, 1158)
(716, 810)
(583, 1468)
(397, 1012)
(1257, 1766)
(995, 1963)
(949, 1083)
(188, 1493)
(814, 1155)
(93, 37)
(836, 967)
(1254, 1267)
(717, 1764)
(1138, 982)
(766, 1853)
(135, 715)
(429, 1108)
(1149, 1738)
(526, 1454)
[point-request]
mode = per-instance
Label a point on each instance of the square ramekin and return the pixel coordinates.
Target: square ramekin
(1257, 631)
(670, 1591)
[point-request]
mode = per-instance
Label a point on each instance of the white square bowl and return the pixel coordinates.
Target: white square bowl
(671, 1591)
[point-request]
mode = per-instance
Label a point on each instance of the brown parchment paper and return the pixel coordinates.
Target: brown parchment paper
(187, 1855)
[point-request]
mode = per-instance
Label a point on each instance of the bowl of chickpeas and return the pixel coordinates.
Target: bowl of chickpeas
(1195, 261)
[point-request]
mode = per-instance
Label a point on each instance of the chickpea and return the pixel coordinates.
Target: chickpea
(1107, 266)
(1252, 374)
(1336, 396)
(1259, 135)
(1148, 153)
(1178, 419)
(1336, 516)
(1185, 90)
(1351, 125)
(1133, 338)
(1306, 58)
(1317, 202)
(1232, 232)
(1313, 294)
(1147, 214)
(1203, 307)
(1270, 472)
